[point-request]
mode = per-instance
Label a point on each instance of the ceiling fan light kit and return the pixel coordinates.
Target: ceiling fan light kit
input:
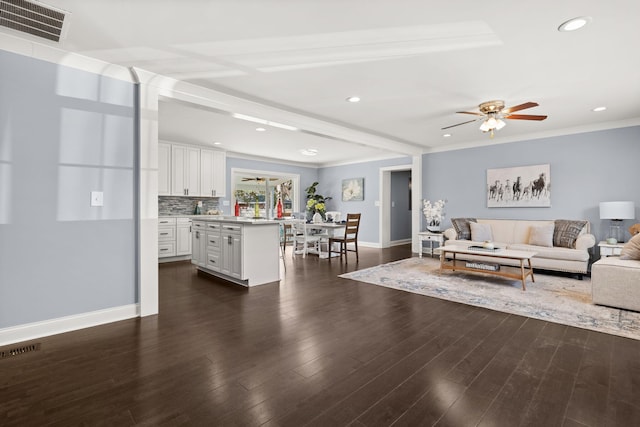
(493, 112)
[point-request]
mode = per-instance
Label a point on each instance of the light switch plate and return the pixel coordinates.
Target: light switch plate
(97, 198)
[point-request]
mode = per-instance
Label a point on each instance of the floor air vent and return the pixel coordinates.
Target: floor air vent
(33, 18)
(19, 350)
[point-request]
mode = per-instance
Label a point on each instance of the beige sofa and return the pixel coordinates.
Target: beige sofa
(514, 234)
(616, 282)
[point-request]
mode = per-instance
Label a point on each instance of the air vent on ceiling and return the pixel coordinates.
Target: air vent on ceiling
(33, 18)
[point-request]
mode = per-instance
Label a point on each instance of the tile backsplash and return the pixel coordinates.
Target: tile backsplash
(171, 205)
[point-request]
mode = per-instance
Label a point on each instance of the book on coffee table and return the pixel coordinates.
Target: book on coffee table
(481, 248)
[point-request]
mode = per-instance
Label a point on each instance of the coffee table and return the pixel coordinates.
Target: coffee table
(524, 257)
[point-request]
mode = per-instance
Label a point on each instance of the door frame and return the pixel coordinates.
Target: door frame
(385, 200)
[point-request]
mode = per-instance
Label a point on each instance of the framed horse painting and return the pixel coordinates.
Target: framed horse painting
(523, 186)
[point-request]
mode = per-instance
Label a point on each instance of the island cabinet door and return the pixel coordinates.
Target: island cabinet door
(199, 244)
(231, 251)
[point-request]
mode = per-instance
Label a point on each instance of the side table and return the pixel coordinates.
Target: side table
(607, 249)
(431, 238)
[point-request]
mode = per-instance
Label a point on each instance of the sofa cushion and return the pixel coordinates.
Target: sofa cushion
(541, 235)
(566, 232)
(480, 232)
(461, 225)
(564, 254)
(631, 249)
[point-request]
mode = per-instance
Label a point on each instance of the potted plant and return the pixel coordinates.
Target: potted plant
(316, 207)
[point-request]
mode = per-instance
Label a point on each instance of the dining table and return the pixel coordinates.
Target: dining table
(332, 229)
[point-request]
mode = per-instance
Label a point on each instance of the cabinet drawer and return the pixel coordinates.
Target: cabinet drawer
(213, 226)
(213, 241)
(232, 229)
(166, 233)
(183, 221)
(166, 249)
(213, 261)
(198, 225)
(166, 221)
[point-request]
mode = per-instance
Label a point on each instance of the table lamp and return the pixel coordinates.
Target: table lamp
(616, 212)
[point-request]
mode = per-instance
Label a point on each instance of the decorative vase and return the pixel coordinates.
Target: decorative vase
(317, 218)
(256, 210)
(434, 228)
(488, 244)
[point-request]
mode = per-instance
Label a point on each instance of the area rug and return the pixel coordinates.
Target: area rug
(552, 298)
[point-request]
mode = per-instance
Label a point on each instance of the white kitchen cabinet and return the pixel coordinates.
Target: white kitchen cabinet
(231, 249)
(199, 244)
(164, 169)
(246, 253)
(185, 170)
(213, 166)
(183, 236)
(174, 239)
(214, 258)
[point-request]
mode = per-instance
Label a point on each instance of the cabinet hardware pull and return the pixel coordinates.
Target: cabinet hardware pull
(164, 249)
(164, 234)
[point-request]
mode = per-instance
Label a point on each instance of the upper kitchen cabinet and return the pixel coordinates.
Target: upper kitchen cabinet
(185, 170)
(213, 171)
(164, 169)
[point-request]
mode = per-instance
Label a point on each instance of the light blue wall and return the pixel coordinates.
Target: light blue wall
(307, 177)
(63, 134)
(400, 217)
(586, 169)
(330, 184)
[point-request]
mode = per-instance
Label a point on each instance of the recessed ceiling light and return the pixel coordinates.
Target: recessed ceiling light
(574, 24)
(217, 143)
(353, 99)
(446, 135)
(309, 151)
(260, 129)
(598, 109)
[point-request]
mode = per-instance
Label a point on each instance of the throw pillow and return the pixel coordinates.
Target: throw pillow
(541, 235)
(566, 232)
(461, 225)
(480, 232)
(631, 249)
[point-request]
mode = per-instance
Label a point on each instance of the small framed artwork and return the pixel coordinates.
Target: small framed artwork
(353, 189)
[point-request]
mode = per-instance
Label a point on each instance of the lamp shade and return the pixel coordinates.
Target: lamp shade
(617, 210)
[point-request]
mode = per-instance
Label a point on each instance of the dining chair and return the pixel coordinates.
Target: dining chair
(350, 236)
(287, 235)
(303, 238)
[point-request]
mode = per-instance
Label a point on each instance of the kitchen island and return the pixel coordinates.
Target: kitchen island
(241, 250)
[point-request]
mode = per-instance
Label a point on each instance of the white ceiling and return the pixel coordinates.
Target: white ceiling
(414, 63)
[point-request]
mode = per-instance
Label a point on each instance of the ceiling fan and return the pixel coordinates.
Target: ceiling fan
(259, 179)
(492, 113)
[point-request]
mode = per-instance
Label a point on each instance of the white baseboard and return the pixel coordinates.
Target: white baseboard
(60, 325)
(369, 244)
(400, 242)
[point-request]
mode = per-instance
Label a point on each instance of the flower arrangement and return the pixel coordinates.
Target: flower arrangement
(316, 202)
(434, 213)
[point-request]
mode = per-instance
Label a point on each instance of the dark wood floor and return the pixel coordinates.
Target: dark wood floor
(321, 351)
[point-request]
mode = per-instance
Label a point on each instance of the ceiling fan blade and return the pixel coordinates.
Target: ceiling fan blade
(524, 117)
(520, 107)
(463, 123)
(470, 112)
